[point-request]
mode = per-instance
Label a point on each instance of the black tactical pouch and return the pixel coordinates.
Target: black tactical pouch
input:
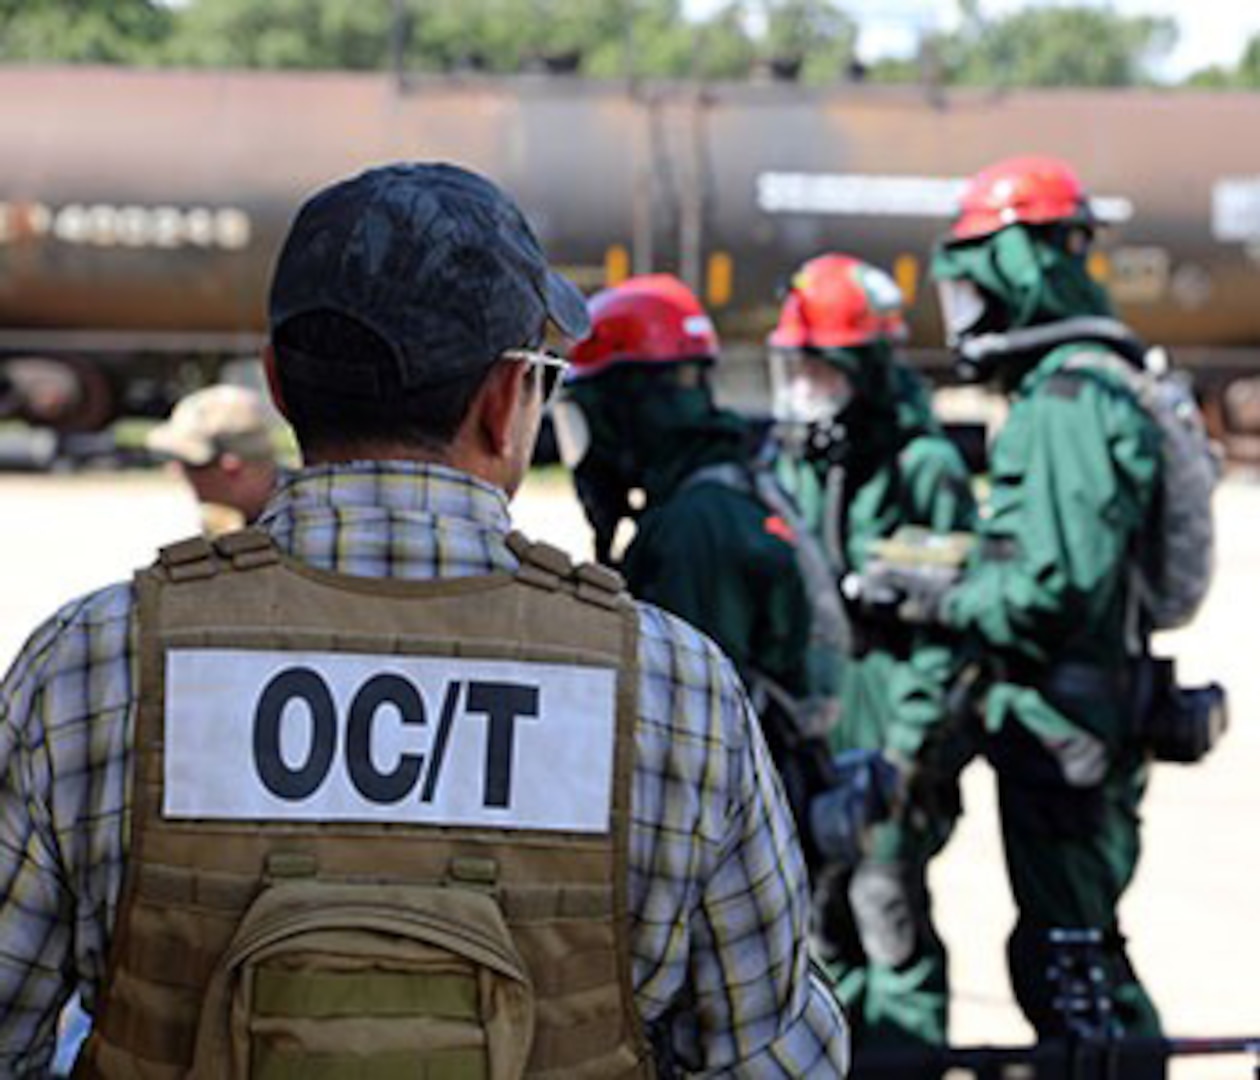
(1176, 723)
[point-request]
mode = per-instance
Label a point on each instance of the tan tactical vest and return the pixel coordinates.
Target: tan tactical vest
(282, 949)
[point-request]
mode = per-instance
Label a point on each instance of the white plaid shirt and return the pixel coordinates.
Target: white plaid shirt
(717, 885)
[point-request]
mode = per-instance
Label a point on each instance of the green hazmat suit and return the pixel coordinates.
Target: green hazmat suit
(714, 556)
(1074, 476)
(873, 924)
(711, 552)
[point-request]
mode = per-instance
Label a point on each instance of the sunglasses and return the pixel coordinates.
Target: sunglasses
(552, 367)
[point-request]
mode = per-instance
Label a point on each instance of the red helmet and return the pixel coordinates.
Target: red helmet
(645, 320)
(836, 301)
(1031, 190)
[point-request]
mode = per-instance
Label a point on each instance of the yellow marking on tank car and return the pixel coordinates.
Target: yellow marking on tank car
(906, 274)
(616, 265)
(721, 279)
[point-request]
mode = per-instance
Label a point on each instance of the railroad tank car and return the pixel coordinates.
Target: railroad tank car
(140, 210)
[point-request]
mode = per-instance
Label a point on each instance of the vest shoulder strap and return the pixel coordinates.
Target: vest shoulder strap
(541, 564)
(197, 558)
(549, 568)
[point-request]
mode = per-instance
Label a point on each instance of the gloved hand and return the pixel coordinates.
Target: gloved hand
(932, 769)
(866, 788)
(907, 595)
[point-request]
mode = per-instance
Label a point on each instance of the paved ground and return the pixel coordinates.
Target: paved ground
(1189, 916)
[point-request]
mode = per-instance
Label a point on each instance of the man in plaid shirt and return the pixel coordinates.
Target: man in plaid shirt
(406, 311)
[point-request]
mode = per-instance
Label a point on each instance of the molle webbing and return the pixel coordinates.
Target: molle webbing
(562, 895)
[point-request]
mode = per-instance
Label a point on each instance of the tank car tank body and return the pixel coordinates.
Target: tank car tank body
(141, 210)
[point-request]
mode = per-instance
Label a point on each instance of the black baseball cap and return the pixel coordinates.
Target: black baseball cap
(436, 260)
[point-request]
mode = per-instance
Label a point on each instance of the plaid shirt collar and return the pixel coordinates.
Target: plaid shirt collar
(398, 519)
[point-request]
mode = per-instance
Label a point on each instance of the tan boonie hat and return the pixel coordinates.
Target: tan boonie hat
(215, 421)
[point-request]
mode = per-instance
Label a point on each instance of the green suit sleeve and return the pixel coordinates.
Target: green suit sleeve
(934, 492)
(1071, 483)
(937, 486)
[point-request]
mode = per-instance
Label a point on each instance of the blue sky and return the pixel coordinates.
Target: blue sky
(1211, 31)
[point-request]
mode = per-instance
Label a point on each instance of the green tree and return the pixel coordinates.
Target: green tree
(724, 48)
(1245, 75)
(452, 34)
(98, 31)
(281, 34)
(896, 69)
(1248, 72)
(650, 36)
(1215, 77)
(442, 35)
(1043, 46)
(815, 32)
(601, 38)
(1056, 46)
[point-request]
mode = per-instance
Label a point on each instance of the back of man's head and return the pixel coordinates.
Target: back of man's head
(395, 293)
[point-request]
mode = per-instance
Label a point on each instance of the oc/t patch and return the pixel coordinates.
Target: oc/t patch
(307, 736)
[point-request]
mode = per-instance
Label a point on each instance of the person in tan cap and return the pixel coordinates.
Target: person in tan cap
(221, 441)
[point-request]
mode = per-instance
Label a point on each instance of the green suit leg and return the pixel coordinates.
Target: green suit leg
(873, 923)
(1071, 852)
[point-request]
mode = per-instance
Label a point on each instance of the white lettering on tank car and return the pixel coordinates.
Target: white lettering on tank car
(857, 194)
(862, 195)
(278, 735)
(1236, 209)
(132, 226)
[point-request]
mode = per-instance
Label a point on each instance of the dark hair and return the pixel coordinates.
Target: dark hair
(325, 416)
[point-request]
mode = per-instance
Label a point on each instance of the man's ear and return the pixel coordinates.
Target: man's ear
(497, 405)
(273, 379)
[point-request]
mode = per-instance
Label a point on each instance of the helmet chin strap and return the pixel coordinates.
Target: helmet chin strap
(982, 353)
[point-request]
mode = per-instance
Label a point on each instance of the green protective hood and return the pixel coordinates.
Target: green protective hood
(677, 442)
(868, 368)
(891, 404)
(914, 404)
(1036, 280)
(660, 433)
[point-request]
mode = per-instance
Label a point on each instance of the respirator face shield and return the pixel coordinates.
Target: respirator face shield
(807, 390)
(969, 313)
(606, 430)
(811, 396)
(602, 472)
(573, 432)
(963, 308)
